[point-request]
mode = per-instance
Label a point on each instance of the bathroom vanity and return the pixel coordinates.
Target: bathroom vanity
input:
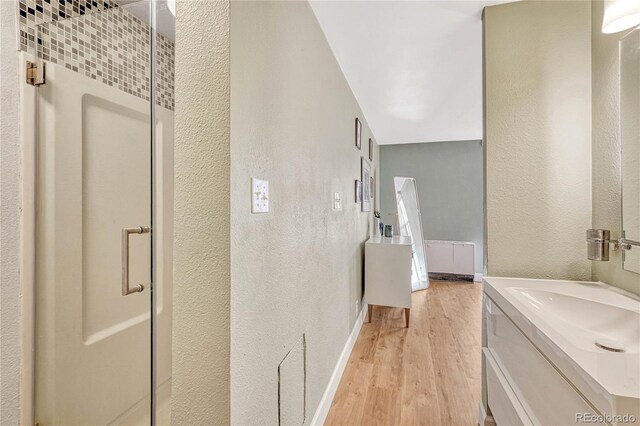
(560, 353)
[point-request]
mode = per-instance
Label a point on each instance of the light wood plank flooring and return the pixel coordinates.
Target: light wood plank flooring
(428, 374)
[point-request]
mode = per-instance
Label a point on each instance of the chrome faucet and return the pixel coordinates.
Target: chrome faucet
(598, 241)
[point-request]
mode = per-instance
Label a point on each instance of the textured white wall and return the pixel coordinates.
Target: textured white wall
(298, 268)
(607, 193)
(200, 386)
(10, 300)
(538, 138)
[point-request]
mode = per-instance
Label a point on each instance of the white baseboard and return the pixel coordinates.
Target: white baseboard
(477, 277)
(327, 398)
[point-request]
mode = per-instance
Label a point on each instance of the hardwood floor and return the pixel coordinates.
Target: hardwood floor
(428, 374)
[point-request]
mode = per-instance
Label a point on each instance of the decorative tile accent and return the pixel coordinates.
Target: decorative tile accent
(34, 12)
(100, 40)
(165, 72)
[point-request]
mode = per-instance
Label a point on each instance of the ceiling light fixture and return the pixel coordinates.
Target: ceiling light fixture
(620, 15)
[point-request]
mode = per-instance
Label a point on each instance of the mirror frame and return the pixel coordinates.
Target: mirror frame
(632, 36)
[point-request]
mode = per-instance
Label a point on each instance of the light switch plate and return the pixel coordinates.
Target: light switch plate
(259, 195)
(337, 201)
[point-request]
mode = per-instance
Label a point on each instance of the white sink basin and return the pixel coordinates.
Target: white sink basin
(589, 321)
(565, 319)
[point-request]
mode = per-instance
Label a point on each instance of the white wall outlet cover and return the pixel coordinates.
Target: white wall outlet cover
(259, 195)
(337, 201)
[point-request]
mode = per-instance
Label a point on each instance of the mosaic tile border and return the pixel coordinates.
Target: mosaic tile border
(100, 40)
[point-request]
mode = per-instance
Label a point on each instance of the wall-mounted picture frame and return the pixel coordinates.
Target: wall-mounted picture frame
(366, 185)
(370, 149)
(372, 187)
(358, 189)
(358, 133)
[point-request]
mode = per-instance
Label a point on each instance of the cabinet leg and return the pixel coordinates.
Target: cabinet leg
(407, 314)
(370, 312)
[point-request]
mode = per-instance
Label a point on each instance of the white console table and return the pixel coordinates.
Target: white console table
(387, 273)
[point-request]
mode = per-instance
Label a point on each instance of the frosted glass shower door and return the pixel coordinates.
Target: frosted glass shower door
(92, 343)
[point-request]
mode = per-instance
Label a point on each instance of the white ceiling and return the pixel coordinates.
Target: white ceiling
(415, 67)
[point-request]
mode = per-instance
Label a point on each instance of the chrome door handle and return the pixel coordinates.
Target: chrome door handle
(126, 290)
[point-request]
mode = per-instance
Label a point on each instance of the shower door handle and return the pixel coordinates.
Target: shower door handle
(126, 290)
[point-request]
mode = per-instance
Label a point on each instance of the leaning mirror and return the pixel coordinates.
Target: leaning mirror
(630, 135)
(410, 225)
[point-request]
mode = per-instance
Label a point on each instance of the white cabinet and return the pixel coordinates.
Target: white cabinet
(505, 405)
(387, 273)
(523, 387)
(450, 257)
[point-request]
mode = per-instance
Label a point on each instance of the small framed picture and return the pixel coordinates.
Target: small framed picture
(366, 185)
(370, 149)
(371, 187)
(358, 189)
(358, 133)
